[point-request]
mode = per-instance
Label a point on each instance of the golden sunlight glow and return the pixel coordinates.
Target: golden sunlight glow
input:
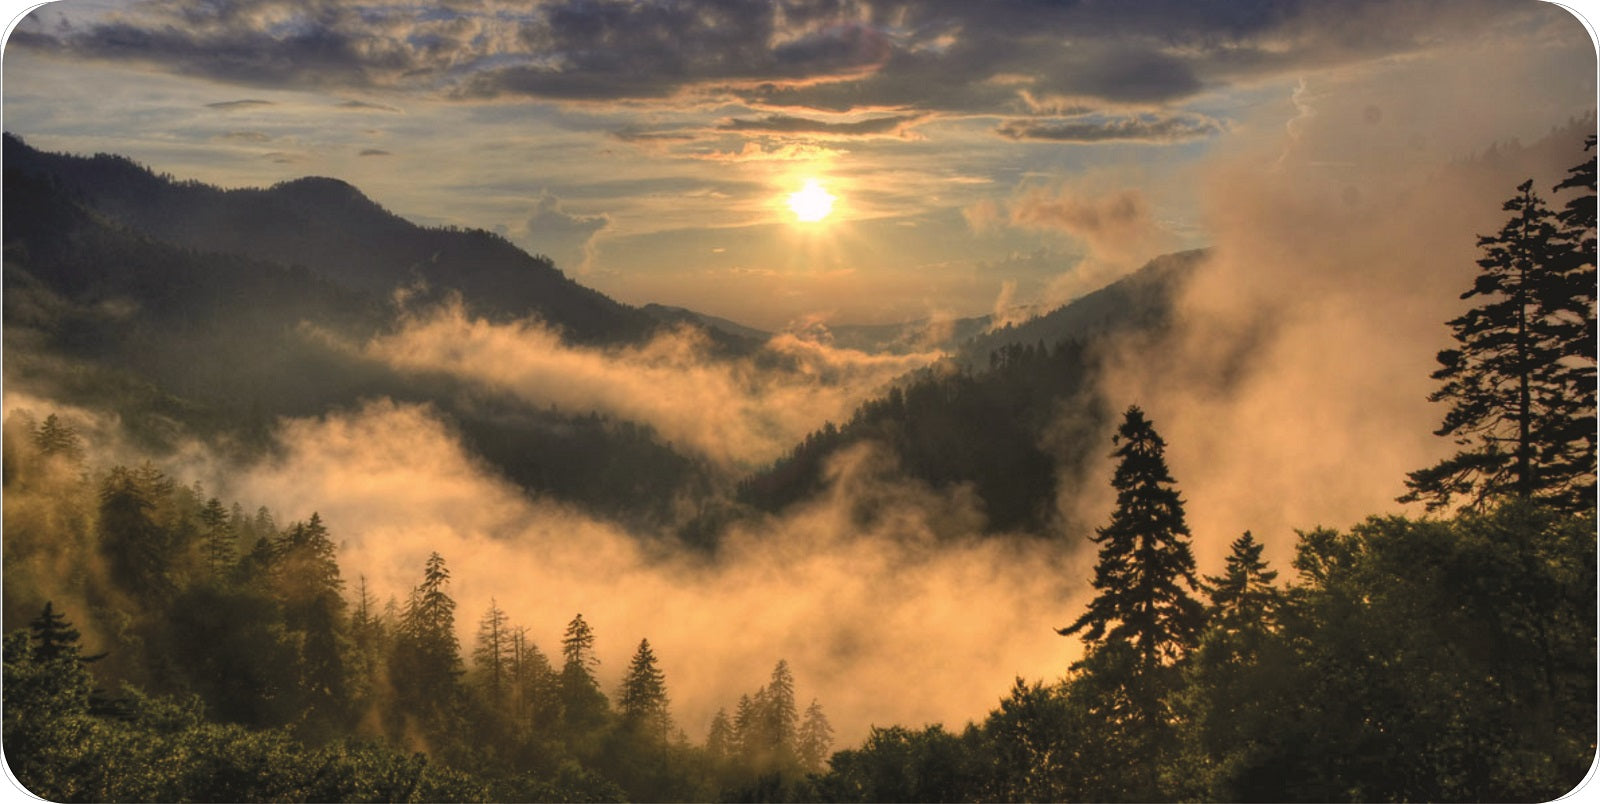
(812, 203)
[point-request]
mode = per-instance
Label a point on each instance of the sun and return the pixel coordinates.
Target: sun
(812, 203)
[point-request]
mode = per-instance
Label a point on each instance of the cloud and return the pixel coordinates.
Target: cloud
(248, 103)
(891, 126)
(940, 56)
(1149, 127)
(245, 136)
(567, 238)
(613, 50)
(364, 106)
(740, 414)
(373, 152)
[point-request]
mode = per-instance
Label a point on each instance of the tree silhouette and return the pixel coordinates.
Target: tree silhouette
(584, 705)
(1521, 381)
(644, 694)
(55, 437)
(1244, 592)
(427, 656)
(815, 738)
(1145, 560)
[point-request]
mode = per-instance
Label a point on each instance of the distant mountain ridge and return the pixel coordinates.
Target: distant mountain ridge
(330, 227)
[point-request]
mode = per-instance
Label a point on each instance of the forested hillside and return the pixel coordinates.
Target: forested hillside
(180, 342)
(211, 652)
(1013, 413)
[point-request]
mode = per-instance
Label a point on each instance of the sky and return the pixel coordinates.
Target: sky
(979, 154)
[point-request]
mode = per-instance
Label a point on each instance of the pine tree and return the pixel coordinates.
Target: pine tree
(720, 738)
(577, 644)
(815, 738)
(494, 652)
(584, 706)
(426, 666)
(1145, 560)
(746, 726)
(778, 713)
(55, 437)
(1520, 383)
(1244, 593)
(536, 687)
(1572, 311)
(219, 537)
(644, 694)
(55, 638)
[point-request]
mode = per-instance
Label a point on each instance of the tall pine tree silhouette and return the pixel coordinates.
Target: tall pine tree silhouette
(1521, 381)
(1145, 560)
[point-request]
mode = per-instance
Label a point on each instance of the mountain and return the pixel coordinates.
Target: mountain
(680, 315)
(1137, 301)
(335, 231)
(1016, 415)
(178, 341)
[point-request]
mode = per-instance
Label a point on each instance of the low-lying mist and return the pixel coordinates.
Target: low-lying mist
(739, 413)
(884, 607)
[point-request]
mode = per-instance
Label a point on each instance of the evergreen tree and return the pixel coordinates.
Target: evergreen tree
(55, 638)
(427, 660)
(219, 537)
(778, 713)
(494, 652)
(1145, 560)
(1572, 310)
(644, 694)
(577, 644)
(1521, 381)
(535, 684)
(815, 738)
(1244, 593)
(720, 742)
(746, 726)
(584, 706)
(55, 437)
(307, 584)
(141, 552)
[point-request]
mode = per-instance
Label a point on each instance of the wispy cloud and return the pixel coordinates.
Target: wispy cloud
(1148, 127)
(247, 103)
(891, 126)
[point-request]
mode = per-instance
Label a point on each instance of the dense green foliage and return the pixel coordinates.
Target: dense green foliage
(1435, 660)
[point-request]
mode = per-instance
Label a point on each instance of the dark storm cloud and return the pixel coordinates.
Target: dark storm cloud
(1102, 128)
(941, 56)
